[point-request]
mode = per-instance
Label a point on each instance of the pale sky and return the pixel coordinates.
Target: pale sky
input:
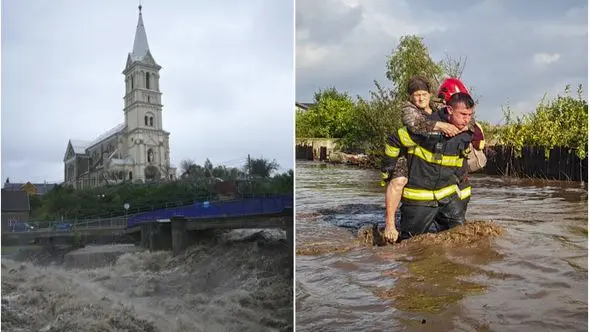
(516, 51)
(227, 78)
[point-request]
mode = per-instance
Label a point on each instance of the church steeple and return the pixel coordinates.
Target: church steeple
(140, 43)
(142, 98)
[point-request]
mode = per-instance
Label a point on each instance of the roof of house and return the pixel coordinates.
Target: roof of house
(304, 106)
(42, 188)
(15, 201)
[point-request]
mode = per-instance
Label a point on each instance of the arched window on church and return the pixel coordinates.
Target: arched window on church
(145, 118)
(151, 121)
(131, 81)
(147, 80)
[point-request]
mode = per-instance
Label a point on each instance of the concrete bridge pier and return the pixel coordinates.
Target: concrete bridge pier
(144, 241)
(171, 235)
(155, 236)
(179, 235)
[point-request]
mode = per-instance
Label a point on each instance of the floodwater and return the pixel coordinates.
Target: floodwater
(532, 278)
(232, 285)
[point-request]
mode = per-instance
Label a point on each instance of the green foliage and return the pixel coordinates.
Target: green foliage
(196, 184)
(330, 116)
(261, 168)
(411, 58)
(190, 170)
(375, 119)
(278, 184)
(561, 122)
(365, 123)
(491, 131)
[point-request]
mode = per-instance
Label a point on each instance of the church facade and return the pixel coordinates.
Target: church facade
(137, 149)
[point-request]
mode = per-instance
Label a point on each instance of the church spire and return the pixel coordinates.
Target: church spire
(140, 43)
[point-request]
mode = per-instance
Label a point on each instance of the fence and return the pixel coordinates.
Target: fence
(68, 225)
(562, 164)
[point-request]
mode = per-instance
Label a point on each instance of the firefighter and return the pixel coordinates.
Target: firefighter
(476, 159)
(436, 194)
(416, 116)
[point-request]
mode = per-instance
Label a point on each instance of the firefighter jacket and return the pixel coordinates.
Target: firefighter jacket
(437, 168)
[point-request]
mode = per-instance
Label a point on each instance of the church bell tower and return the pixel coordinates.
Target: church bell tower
(147, 142)
(143, 108)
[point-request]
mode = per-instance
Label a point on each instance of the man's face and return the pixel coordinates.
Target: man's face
(420, 98)
(460, 115)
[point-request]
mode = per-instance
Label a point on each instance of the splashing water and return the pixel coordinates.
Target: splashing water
(234, 285)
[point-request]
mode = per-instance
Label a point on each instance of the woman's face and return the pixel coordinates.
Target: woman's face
(420, 98)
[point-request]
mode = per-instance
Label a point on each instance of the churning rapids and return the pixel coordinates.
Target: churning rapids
(240, 283)
(526, 270)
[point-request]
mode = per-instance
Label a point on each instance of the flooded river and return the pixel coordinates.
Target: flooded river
(233, 285)
(533, 278)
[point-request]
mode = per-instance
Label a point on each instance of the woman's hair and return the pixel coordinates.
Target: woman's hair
(417, 83)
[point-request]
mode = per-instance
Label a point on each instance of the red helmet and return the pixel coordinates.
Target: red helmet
(449, 87)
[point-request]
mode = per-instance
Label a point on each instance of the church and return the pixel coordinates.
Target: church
(136, 150)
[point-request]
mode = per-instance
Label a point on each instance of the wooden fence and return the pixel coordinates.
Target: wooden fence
(562, 164)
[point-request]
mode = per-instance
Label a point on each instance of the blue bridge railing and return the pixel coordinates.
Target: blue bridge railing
(205, 209)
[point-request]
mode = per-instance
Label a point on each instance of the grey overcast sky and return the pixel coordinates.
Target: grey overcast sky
(227, 78)
(516, 51)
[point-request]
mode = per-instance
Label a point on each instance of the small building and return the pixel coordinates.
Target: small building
(16, 207)
(29, 188)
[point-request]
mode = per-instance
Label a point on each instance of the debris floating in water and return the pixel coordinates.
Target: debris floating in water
(464, 235)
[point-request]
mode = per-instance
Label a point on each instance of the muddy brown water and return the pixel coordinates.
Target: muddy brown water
(532, 278)
(240, 283)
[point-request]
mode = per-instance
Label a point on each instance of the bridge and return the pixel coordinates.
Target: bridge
(257, 212)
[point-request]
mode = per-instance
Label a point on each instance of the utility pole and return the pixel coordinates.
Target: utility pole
(249, 167)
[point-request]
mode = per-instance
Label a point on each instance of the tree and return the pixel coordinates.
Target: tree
(411, 58)
(329, 117)
(187, 166)
(375, 119)
(451, 67)
(107, 201)
(261, 167)
(365, 123)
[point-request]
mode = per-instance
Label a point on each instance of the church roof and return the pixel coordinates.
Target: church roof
(140, 43)
(115, 130)
(79, 146)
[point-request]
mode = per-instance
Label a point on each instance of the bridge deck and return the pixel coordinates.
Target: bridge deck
(276, 220)
(234, 208)
(267, 212)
